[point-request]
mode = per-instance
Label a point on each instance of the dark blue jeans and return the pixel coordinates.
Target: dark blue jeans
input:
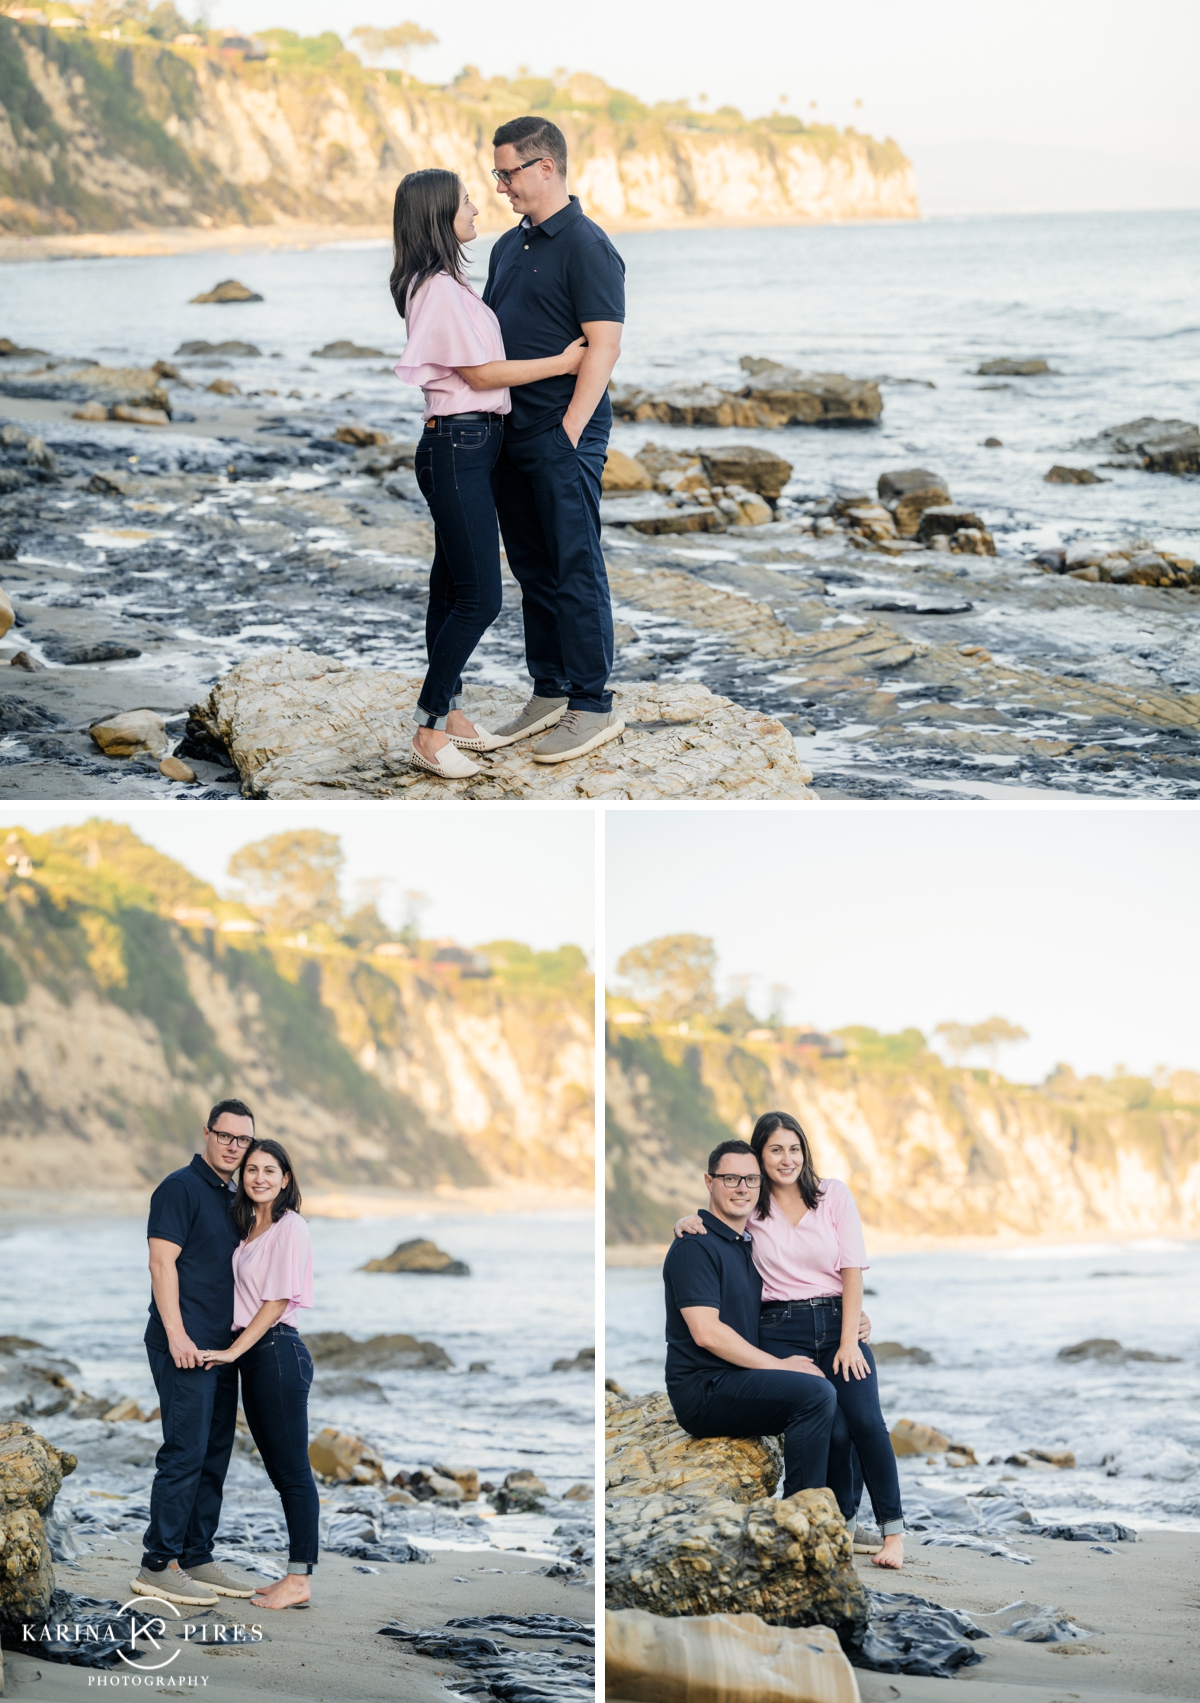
(548, 501)
(746, 1402)
(199, 1417)
(454, 464)
(798, 1327)
(277, 1375)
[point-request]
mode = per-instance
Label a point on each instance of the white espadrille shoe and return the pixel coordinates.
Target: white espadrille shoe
(448, 765)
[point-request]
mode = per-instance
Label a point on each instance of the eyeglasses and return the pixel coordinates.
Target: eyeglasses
(506, 177)
(229, 1140)
(731, 1180)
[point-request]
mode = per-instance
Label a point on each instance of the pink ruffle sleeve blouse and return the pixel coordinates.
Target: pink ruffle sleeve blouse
(276, 1266)
(805, 1259)
(449, 327)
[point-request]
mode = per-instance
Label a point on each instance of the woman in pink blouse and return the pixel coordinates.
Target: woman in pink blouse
(455, 352)
(809, 1250)
(272, 1280)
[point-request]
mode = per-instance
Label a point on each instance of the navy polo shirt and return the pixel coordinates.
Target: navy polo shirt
(718, 1271)
(192, 1208)
(543, 282)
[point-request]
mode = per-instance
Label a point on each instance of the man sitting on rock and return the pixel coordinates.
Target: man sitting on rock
(720, 1383)
(192, 1236)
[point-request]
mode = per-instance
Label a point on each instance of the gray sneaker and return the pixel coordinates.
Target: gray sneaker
(215, 1578)
(579, 732)
(174, 1585)
(537, 715)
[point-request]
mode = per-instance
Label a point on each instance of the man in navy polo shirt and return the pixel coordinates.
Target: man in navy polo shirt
(552, 279)
(192, 1236)
(720, 1383)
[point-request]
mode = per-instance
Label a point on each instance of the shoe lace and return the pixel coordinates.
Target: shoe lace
(570, 721)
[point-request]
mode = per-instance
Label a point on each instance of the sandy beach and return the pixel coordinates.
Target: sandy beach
(332, 1650)
(1139, 1604)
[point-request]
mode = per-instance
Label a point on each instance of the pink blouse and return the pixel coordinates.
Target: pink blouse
(449, 327)
(805, 1259)
(276, 1266)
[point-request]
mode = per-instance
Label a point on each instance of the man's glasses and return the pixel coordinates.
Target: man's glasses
(506, 177)
(731, 1180)
(229, 1140)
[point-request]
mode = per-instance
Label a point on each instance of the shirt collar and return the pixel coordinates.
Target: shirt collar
(722, 1229)
(556, 221)
(203, 1169)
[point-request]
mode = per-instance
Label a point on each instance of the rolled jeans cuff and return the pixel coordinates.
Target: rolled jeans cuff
(422, 718)
(892, 1528)
(301, 1566)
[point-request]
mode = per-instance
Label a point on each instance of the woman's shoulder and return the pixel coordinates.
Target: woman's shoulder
(292, 1225)
(835, 1193)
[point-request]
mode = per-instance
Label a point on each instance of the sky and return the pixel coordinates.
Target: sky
(1081, 925)
(1036, 104)
(510, 875)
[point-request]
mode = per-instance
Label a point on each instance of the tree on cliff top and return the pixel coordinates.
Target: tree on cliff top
(987, 1037)
(291, 880)
(397, 42)
(673, 977)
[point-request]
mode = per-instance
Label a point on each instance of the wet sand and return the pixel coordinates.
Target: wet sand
(1140, 1604)
(331, 1651)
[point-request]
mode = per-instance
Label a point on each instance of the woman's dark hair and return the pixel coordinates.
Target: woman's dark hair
(810, 1183)
(287, 1200)
(424, 241)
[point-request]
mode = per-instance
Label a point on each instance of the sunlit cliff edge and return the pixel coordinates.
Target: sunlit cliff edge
(100, 135)
(930, 1151)
(132, 996)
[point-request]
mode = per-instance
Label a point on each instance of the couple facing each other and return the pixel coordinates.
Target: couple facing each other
(230, 1266)
(517, 418)
(765, 1330)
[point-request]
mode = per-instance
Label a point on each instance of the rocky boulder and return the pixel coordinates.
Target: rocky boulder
(685, 404)
(722, 1658)
(198, 346)
(344, 350)
(756, 469)
(335, 1351)
(623, 474)
(963, 530)
(298, 725)
(815, 399)
(694, 1528)
(84, 381)
(33, 1382)
(1158, 446)
(584, 1361)
(31, 1475)
(1007, 368)
(228, 290)
(907, 492)
(125, 735)
(1072, 476)
(1106, 1348)
(344, 1458)
(894, 1351)
(422, 1256)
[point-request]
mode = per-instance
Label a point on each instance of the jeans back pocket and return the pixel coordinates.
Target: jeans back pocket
(304, 1362)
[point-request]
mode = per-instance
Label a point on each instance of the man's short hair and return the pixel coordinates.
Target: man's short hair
(533, 136)
(235, 1108)
(718, 1153)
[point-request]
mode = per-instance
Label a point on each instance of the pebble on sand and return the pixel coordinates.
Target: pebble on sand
(175, 769)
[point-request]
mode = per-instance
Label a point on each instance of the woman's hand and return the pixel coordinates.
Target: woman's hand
(850, 1362)
(216, 1356)
(693, 1225)
(572, 355)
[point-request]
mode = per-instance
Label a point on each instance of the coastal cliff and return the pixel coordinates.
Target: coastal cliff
(99, 134)
(131, 997)
(929, 1150)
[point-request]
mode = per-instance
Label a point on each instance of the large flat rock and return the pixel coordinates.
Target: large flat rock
(298, 725)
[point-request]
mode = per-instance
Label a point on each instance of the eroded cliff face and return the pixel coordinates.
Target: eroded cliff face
(927, 1150)
(95, 135)
(119, 1026)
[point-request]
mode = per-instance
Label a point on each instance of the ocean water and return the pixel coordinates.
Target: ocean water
(1108, 299)
(80, 1286)
(994, 1323)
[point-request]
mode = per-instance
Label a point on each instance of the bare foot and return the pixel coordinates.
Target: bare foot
(429, 741)
(460, 727)
(293, 1588)
(892, 1553)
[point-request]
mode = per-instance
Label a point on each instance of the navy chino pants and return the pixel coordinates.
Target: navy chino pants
(199, 1418)
(747, 1402)
(548, 501)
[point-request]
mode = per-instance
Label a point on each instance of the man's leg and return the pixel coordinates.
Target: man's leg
(210, 1486)
(531, 563)
(747, 1402)
(186, 1399)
